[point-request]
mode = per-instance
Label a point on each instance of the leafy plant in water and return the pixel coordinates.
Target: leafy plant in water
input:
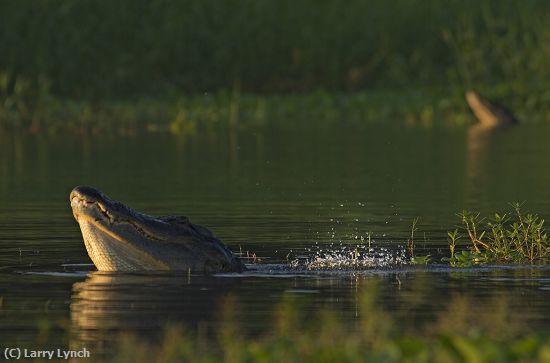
(415, 260)
(471, 223)
(453, 237)
(468, 259)
(510, 238)
(421, 260)
(463, 258)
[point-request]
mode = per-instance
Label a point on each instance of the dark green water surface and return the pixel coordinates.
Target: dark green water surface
(279, 192)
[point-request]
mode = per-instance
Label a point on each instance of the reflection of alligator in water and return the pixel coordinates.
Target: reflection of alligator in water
(106, 304)
(485, 137)
(118, 238)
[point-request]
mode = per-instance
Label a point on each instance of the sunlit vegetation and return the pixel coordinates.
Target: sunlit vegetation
(192, 114)
(173, 66)
(464, 329)
(464, 332)
(511, 238)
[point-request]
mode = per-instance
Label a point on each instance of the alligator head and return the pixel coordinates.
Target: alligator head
(118, 238)
(490, 114)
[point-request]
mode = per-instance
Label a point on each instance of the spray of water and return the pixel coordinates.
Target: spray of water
(344, 245)
(359, 257)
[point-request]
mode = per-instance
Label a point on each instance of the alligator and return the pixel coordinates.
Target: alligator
(490, 114)
(118, 238)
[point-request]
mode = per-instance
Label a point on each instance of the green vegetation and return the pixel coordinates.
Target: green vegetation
(193, 114)
(410, 241)
(463, 258)
(99, 65)
(188, 115)
(511, 238)
(415, 260)
(464, 332)
(465, 329)
(101, 49)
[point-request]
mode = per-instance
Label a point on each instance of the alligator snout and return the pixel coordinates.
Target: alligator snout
(86, 194)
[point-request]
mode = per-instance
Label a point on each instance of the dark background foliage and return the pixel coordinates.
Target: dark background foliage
(90, 49)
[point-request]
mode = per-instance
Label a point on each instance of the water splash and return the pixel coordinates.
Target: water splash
(343, 243)
(359, 257)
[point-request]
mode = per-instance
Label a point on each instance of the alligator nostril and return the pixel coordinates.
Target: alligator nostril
(86, 193)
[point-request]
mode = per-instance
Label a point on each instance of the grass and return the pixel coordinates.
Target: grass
(511, 238)
(465, 329)
(194, 114)
(410, 241)
(464, 332)
(514, 237)
(414, 259)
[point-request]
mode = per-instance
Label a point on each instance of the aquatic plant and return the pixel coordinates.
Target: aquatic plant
(410, 241)
(458, 335)
(414, 259)
(510, 238)
(421, 260)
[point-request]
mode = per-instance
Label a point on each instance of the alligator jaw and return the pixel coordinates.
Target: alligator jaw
(110, 252)
(107, 239)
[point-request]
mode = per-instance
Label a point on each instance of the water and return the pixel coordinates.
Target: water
(281, 193)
